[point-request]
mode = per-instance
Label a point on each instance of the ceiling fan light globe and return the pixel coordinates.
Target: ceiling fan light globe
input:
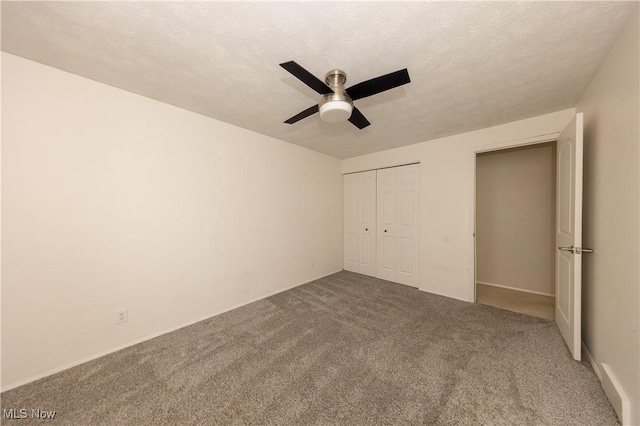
(335, 111)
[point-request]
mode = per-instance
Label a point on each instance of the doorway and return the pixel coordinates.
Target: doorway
(515, 216)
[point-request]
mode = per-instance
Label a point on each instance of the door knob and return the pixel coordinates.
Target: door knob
(580, 250)
(366, 229)
(576, 250)
(385, 230)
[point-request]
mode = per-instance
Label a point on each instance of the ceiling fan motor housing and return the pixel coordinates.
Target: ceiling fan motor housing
(337, 106)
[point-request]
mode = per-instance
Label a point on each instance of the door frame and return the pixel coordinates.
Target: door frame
(473, 151)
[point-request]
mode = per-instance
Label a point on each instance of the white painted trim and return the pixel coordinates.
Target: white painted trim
(380, 168)
(533, 140)
(516, 289)
(149, 337)
(617, 397)
(611, 387)
(448, 296)
(592, 361)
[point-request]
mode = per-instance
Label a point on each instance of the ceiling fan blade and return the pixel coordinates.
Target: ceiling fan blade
(307, 112)
(378, 84)
(358, 120)
(307, 78)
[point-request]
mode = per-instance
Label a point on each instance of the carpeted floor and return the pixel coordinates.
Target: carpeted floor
(345, 349)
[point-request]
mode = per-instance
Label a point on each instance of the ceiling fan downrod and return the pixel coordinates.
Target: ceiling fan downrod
(337, 106)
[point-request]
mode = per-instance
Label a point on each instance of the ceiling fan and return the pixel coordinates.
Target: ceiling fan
(336, 104)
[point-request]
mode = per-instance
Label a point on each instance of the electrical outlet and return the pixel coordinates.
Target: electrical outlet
(122, 316)
(446, 238)
(313, 265)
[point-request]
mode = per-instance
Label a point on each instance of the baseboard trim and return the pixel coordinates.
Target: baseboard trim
(149, 337)
(515, 289)
(611, 386)
(464, 299)
(592, 361)
(617, 397)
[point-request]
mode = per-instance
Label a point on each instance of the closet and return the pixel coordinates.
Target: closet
(381, 223)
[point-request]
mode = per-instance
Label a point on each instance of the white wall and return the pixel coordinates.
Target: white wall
(445, 195)
(515, 218)
(113, 200)
(611, 275)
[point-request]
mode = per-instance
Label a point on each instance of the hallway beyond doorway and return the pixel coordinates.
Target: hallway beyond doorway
(536, 305)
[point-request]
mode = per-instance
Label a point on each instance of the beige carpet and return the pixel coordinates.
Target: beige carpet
(345, 349)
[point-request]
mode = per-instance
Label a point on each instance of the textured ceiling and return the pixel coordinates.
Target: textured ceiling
(472, 64)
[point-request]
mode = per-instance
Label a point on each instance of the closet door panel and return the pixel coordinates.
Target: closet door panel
(406, 256)
(406, 208)
(360, 222)
(351, 187)
(408, 225)
(366, 258)
(387, 212)
(387, 265)
(367, 230)
(398, 224)
(388, 208)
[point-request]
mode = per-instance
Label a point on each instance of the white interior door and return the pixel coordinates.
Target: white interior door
(386, 229)
(569, 235)
(398, 224)
(359, 192)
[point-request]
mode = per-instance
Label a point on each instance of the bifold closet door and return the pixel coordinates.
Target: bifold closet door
(398, 220)
(359, 192)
